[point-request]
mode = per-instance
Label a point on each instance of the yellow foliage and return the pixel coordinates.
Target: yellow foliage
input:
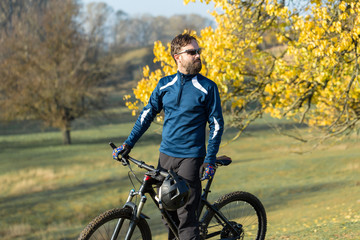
(318, 75)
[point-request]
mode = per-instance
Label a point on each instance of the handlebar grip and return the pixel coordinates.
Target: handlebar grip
(125, 161)
(112, 145)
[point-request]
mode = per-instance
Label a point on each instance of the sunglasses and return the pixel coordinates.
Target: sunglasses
(191, 51)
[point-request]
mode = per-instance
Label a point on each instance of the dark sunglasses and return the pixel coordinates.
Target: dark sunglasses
(191, 51)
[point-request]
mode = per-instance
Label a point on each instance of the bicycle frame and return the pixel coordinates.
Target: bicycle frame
(147, 188)
(218, 215)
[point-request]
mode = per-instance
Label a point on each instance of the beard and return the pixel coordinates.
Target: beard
(193, 67)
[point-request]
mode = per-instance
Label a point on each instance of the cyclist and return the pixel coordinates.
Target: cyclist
(189, 101)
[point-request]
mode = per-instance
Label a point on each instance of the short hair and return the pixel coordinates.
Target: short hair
(180, 41)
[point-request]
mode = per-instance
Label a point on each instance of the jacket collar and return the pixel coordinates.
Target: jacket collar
(186, 77)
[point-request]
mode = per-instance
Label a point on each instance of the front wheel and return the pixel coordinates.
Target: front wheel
(103, 226)
(245, 213)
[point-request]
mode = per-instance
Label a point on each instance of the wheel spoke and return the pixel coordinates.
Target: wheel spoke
(245, 214)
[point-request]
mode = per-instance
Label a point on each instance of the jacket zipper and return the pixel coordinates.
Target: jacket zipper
(182, 83)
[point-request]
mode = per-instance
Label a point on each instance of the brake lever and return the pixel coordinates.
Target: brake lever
(124, 161)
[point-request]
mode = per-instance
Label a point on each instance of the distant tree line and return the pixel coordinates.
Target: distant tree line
(144, 30)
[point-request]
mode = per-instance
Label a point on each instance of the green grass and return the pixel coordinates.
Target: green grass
(51, 191)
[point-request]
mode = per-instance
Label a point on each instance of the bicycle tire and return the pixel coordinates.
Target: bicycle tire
(102, 227)
(245, 212)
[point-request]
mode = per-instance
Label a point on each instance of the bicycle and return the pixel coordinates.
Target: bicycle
(236, 215)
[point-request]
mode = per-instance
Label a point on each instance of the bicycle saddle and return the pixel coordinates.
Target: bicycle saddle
(223, 161)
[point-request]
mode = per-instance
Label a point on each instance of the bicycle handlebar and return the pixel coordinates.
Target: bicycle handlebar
(140, 164)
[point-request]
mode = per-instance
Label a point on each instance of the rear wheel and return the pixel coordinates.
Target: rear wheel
(103, 226)
(245, 213)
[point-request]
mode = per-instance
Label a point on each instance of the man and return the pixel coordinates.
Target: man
(189, 101)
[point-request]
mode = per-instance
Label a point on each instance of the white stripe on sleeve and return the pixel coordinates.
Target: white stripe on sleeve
(143, 115)
(217, 128)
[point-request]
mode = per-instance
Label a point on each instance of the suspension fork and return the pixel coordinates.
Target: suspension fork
(135, 217)
(119, 224)
(136, 210)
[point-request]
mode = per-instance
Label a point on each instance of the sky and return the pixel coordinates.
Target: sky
(165, 8)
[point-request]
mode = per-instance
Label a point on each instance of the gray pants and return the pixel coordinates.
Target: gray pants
(186, 217)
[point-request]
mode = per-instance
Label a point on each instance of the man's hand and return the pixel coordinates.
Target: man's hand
(123, 151)
(208, 171)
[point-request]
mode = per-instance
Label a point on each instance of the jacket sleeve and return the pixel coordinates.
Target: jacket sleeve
(146, 117)
(216, 124)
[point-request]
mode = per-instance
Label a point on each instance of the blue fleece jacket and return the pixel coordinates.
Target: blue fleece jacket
(189, 103)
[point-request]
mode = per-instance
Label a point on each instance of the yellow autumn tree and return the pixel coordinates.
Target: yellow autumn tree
(312, 75)
(231, 56)
(319, 84)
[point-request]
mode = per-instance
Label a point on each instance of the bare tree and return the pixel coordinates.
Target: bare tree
(50, 69)
(15, 8)
(144, 30)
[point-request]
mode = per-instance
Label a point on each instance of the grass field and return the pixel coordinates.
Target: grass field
(51, 191)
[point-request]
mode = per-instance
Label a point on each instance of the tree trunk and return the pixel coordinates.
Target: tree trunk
(66, 136)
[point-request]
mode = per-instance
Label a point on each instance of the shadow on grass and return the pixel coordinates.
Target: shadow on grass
(44, 207)
(148, 138)
(282, 196)
(36, 126)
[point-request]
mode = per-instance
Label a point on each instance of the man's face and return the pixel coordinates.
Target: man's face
(188, 61)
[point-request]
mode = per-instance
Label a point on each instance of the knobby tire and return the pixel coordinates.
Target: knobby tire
(102, 227)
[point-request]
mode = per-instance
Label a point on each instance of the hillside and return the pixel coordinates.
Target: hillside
(50, 191)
